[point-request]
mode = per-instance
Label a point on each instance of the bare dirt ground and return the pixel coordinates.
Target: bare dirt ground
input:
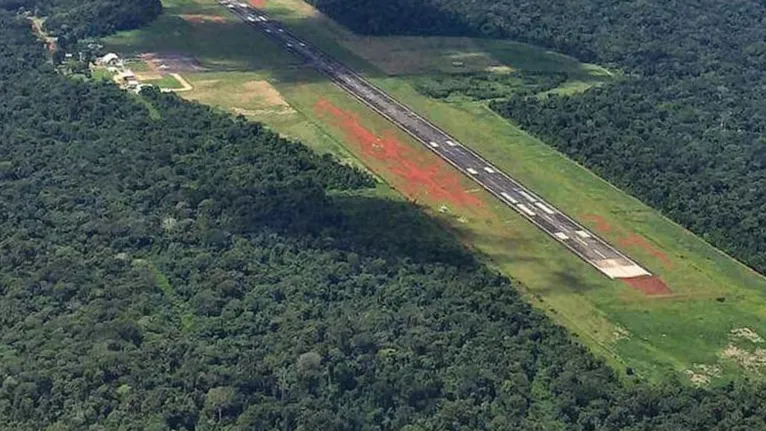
(265, 91)
(750, 360)
(418, 175)
(747, 334)
(649, 285)
(171, 63)
(633, 240)
(600, 225)
(258, 3)
(37, 28)
(628, 240)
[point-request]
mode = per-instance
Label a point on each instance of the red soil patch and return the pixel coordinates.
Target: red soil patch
(202, 18)
(649, 285)
(258, 3)
(633, 240)
(415, 174)
(628, 240)
(599, 223)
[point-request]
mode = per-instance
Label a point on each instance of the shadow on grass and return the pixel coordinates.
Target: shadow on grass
(222, 42)
(561, 275)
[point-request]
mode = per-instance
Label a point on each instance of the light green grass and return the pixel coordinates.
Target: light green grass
(138, 66)
(166, 81)
(662, 335)
(101, 74)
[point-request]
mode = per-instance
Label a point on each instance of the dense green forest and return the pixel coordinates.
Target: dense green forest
(683, 130)
(165, 266)
(70, 20)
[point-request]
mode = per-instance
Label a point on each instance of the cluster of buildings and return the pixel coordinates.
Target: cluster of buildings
(125, 76)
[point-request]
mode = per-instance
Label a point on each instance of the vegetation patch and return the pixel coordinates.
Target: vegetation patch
(487, 85)
(746, 334)
(701, 374)
(199, 18)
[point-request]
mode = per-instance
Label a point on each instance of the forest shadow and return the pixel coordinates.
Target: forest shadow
(381, 227)
(495, 250)
(226, 45)
(220, 46)
(377, 227)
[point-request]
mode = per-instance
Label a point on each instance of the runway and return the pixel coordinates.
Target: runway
(562, 228)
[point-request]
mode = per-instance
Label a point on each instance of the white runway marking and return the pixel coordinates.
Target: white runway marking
(509, 197)
(545, 208)
(561, 235)
(433, 144)
(472, 171)
(582, 234)
(527, 196)
(526, 210)
(489, 170)
(451, 144)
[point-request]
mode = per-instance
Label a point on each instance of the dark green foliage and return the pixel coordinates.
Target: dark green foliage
(70, 20)
(487, 85)
(78, 18)
(191, 272)
(684, 130)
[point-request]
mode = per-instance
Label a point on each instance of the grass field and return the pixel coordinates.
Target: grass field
(166, 81)
(689, 331)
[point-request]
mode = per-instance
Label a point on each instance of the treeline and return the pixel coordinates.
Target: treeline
(487, 85)
(164, 266)
(683, 131)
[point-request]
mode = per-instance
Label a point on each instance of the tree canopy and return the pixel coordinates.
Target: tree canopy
(166, 266)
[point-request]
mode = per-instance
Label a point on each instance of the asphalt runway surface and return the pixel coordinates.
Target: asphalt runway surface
(562, 228)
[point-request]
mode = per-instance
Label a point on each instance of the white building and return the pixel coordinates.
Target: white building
(110, 59)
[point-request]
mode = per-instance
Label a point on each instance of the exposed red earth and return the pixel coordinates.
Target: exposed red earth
(649, 285)
(258, 3)
(416, 174)
(633, 240)
(601, 225)
(628, 240)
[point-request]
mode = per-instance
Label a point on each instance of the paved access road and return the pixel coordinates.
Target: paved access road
(545, 216)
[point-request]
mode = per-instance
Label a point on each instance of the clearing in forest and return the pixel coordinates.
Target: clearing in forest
(239, 93)
(686, 331)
